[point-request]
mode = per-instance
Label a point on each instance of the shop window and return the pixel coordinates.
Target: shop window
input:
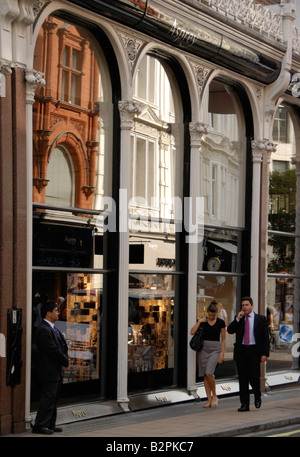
(283, 246)
(283, 303)
(79, 300)
(223, 158)
(156, 155)
(225, 290)
(72, 169)
(59, 190)
(220, 251)
(150, 326)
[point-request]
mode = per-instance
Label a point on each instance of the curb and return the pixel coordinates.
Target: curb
(252, 428)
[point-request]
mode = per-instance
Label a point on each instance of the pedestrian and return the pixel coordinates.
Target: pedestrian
(251, 348)
(212, 352)
(52, 355)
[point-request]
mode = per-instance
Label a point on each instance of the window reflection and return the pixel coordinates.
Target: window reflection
(222, 167)
(79, 300)
(282, 313)
(71, 114)
(218, 250)
(223, 289)
(151, 322)
(283, 244)
(153, 143)
(60, 174)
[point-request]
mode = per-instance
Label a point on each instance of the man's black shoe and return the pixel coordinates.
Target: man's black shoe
(56, 429)
(257, 403)
(243, 408)
(42, 430)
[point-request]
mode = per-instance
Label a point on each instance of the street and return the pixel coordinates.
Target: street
(282, 432)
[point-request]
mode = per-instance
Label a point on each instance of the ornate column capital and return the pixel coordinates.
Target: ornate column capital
(197, 130)
(128, 109)
(33, 80)
(261, 147)
(6, 67)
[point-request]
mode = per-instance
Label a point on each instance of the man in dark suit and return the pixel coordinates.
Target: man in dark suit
(251, 348)
(52, 355)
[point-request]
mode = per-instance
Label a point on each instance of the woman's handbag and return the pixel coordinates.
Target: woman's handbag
(196, 342)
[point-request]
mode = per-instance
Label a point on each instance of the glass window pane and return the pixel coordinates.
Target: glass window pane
(282, 290)
(75, 90)
(66, 56)
(75, 60)
(64, 86)
(59, 190)
(79, 301)
(140, 163)
(151, 323)
(281, 254)
(155, 173)
(220, 251)
(283, 303)
(223, 158)
(70, 127)
(223, 289)
(151, 172)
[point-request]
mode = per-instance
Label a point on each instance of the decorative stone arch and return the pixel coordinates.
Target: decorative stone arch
(84, 176)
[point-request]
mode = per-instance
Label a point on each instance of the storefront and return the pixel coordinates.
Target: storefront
(161, 174)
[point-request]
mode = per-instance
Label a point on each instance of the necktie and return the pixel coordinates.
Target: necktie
(247, 332)
(57, 333)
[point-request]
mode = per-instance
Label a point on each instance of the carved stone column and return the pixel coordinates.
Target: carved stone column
(266, 160)
(128, 110)
(258, 147)
(197, 130)
(33, 79)
(261, 150)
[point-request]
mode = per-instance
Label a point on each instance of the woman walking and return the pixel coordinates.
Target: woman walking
(212, 352)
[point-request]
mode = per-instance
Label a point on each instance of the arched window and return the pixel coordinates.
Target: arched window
(59, 190)
(156, 159)
(223, 181)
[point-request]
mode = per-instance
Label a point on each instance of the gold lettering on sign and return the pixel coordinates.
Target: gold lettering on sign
(79, 413)
(227, 388)
(162, 399)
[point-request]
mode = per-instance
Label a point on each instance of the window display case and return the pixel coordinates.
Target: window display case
(81, 327)
(150, 327)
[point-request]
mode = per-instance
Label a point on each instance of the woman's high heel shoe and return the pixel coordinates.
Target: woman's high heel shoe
(214, 403)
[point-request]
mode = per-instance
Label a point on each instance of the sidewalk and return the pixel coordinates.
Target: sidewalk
(280, 407)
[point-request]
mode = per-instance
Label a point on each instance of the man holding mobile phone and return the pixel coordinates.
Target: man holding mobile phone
(251, 349)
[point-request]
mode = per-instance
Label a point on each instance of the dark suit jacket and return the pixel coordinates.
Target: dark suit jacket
(261, 334)
(52, 353)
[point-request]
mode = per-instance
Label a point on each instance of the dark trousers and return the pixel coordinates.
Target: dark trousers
(47, 411)
(248, 367)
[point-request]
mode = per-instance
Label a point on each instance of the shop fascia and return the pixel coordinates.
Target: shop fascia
(188, 216)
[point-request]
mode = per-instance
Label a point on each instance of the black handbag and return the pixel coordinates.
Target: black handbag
(196, 342)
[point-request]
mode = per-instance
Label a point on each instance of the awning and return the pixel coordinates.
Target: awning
(225, 245)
